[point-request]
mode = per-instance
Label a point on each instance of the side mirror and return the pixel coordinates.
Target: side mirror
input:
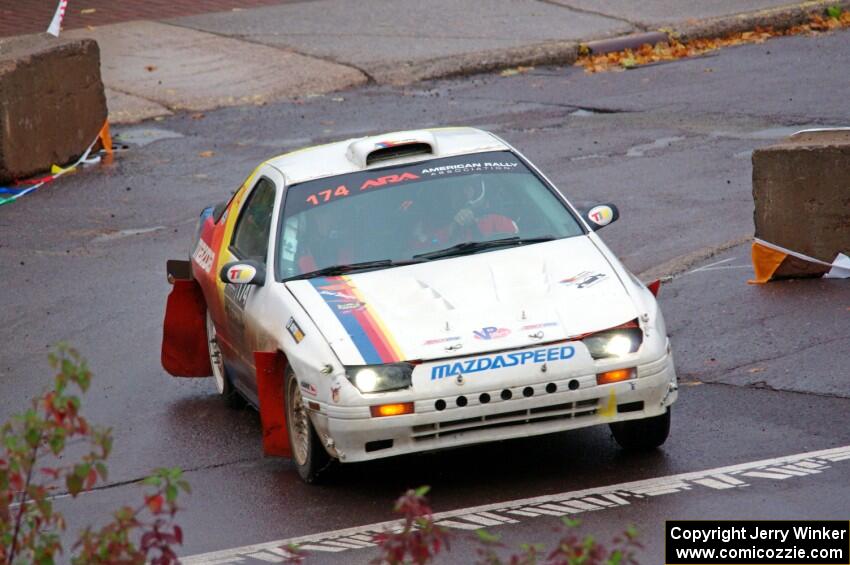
(243, 272)
(600, 215)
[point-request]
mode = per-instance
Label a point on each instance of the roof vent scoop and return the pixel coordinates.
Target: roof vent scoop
(370, 150)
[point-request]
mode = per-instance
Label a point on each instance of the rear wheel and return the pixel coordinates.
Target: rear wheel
(642, 435)
(222, 381)
(308, 454)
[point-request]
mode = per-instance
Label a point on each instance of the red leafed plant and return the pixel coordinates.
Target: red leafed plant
(419, 539)
(32, 471)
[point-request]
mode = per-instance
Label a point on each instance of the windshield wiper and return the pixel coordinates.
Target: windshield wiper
(475, 246)
(353, 267)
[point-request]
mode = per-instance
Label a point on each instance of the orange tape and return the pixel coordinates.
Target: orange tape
(765, 262)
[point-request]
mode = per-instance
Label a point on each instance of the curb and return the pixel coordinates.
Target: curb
(566, 53)
(549, 53)
(778, 18)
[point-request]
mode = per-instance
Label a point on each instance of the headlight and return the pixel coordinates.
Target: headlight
(614, 343)
(380, 378)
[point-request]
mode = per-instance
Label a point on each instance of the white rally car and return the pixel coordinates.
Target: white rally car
(415, 291)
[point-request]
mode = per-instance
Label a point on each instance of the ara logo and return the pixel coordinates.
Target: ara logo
(491, 332)
(389, 179)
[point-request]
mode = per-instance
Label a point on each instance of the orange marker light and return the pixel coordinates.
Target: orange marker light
(392, 409)
(615, 376)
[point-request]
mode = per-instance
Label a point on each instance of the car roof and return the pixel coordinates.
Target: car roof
(353, 155)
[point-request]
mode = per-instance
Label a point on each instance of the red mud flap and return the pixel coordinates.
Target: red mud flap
(654, 287)
(271, 369)
(184, 331)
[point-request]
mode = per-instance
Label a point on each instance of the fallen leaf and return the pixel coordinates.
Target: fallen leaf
(88, 11)
(150, 68)
(206, 153)
(515, 71)
(675, 49)
(756, 370)
(198, 116)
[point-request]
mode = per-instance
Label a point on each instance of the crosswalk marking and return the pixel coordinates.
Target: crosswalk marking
(780, 468)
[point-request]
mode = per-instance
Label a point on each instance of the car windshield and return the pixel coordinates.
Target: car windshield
(414, 212)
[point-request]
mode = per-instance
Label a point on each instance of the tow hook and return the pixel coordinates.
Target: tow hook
(330, 444)
(671, 388)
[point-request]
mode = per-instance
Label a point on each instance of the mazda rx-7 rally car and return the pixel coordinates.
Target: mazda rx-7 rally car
(415, 291)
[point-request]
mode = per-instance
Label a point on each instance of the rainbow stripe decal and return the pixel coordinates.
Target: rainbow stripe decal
(362, 323)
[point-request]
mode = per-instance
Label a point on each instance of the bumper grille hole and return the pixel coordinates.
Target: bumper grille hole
(551, 387)
(461, 401)
(484, 398)
(440, 404)
(630, 407)
(573, 384)
(528, 391)
(506, 394)
(378, 445)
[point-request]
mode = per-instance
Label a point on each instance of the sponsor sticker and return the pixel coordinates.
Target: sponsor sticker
(491, 332)
(241, 273)
(584, 279)
(502, 360)
(471, 168)
(203, 256)
(308, 388)
(601, 215)
(539, 326)
(295, 330)
(442, 340)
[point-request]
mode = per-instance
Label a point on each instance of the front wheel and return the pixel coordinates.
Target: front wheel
(642, 435)
(309, 456)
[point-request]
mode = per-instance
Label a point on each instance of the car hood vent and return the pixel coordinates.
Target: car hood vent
(397, 152)
(400, 145)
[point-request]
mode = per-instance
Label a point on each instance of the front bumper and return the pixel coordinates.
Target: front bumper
(351, 434)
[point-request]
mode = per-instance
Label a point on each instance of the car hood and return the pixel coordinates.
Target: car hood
(489, 301)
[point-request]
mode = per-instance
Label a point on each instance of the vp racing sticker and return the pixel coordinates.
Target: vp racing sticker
(502, 360)
(491, 332)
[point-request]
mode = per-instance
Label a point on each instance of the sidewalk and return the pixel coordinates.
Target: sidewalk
(266, 50)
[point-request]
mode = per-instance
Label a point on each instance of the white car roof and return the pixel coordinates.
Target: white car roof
(352, 155)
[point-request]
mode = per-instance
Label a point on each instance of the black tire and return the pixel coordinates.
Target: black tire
(308, 454)
(223, 384)
(642, 435)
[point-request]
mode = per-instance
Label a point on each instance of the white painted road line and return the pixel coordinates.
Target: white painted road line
(575, 502)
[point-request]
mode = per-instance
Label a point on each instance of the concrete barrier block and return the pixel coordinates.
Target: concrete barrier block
(801, 189)
(52, 102)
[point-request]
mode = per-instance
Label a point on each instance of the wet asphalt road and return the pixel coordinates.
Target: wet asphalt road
(765, 369)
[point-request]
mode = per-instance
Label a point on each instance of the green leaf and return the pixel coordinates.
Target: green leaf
(487, 537)
(74, 484)
(152, 481)
(170, 493)
(834, 12)
(422, 491)
(571, 522)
